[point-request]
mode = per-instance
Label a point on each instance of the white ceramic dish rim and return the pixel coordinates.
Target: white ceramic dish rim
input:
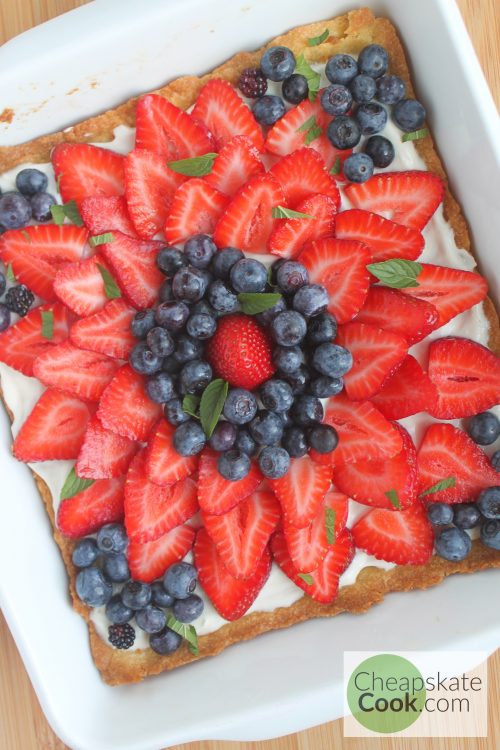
(296, 692)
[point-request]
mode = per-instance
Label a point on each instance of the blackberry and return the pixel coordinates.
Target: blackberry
(121, 636)
(19, 299)
(252, 83)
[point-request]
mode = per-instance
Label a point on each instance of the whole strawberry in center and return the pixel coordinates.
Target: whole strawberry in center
(240, 352)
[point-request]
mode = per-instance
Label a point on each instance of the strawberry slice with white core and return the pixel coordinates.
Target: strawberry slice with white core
(106, 213)
(302, 174)
(164, 464)
(103, 454)
(149, 561)
(125, 407)
(90, 509)
(84, 170)
(406, 391)
(290, 235)
(106, 332)
(133, 265)
(81, 286)
(195, 209)
(385, 238)
(238, 161)
(400, 313)
(302, 489)
(217, 495)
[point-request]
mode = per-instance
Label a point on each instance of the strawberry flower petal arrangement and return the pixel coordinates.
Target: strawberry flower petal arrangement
(224, 320)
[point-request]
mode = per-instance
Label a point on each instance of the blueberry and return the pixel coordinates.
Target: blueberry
(343, 132)
(40, 206)
(490, 534)
(187, 349)
(294, 441)
(19, 299)
(373, 60)
(358, 167)
(240, 406)
(195, 376)
(4, 317)
(325, 386)
(248, 275)
(15, 210)
(381, 150)
(289, 328)
(180, 580)
(189, 284)
(223, 437)
(322, 438)
(268, 109)
(295, 88)
(244, 442)
(332, 360)
(276, 395)
(85, 553)
(166, 293)
(440, 514)
(222, 299)
(336, 99)
(265, 317)
(174, 413)
(143, 361)
(266, 428)
(466, 515)
(117, 612)
(170, 259)
(187, 610)
(203, 308)
(199, 250)
(277, 63)
(92, 588)
(363, 89)
(233, 465)
(291, 275)
(321, 329)
(224, 260)
(310, 300)
(151, 619)
(189, 438)
(142, 323)
(288, 358)
(112, 538)
(30, 181)
(172, 315)
(408, 114)
(453, 544)
(489, 503)
(136, 594)
(165, 642)
(341, 68)
(115, 568)
(275, 267)
(495, 460)
(390, 89)
(172, 365)
(307, 410)
(3, 284)
(201, 326)
(160, 596)
(274, 462)
(161, 388)
(160, 341)
(371, 118)
(484, 428)
(298, 380)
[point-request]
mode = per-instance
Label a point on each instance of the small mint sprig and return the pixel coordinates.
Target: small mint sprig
(188, 632)
(101, 239)
(393, 497)
(68, 211)
(191, 405)
(74, 485)
(111, 288)
(47, 324)
(196, 166)
(253, 303)
(397, 273)
(313, 78)
(443, 484)
(306, 577)
(415, 135)
(312, 130)
(212, 403)
(316, 40)
(280, 212)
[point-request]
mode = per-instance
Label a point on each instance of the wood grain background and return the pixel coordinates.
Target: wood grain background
(22, 724)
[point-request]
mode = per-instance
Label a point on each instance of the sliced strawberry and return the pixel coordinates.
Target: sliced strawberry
(81, 287)
(103, 454)
(241, 535)
(384, 237)
(217, 495)
(107, 331)
(164, 464)
(225, 114)
(133, 264)
(363, 432)
(289, 236)
(450, 290)
(308, 546)
(106, 213)
(404, 538)
(394, 311)
(302, 489)
(446, 452)
(247, 221)
(230, 596)
(84, 170)
(23, 342)
(125, 407)
(196, 208)
(54, 430)
(466, 375)
(302, 174)
(340, 266)
(406, 391)
(150, 560)
(74, 371)
(87, 511)
(369, 481)
(167, 130)
(149, 188)
(409, 198)
(238, 161)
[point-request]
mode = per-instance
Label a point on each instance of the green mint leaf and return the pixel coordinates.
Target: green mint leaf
(188, 632)
(312, 134)
(58, 214)
(306, 577)
(253, 303)
(315, 40)
(393, 498)
(73, 485)
(212, 403)
(196, 166)
(397, 273)
(307, 125)
(111, 289)
(415, 135)
(280, 212)
(337, 166)
(313, 78)
(443, 484)
(190, 404)
(26, 235)
(330, 525)
(101, 239)
(68, 211)
(10, 273)
(47, 324)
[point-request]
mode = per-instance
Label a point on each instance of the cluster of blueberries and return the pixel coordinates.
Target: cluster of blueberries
(452, 541)
(202, 285)
(29, 201)
(362, 83)
(104, 580)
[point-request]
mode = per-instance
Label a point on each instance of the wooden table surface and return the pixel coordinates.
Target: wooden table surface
(22, 724)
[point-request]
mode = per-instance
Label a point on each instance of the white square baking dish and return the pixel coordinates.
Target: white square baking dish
(87, 61)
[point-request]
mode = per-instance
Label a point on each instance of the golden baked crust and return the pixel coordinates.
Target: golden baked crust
(350, 33)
